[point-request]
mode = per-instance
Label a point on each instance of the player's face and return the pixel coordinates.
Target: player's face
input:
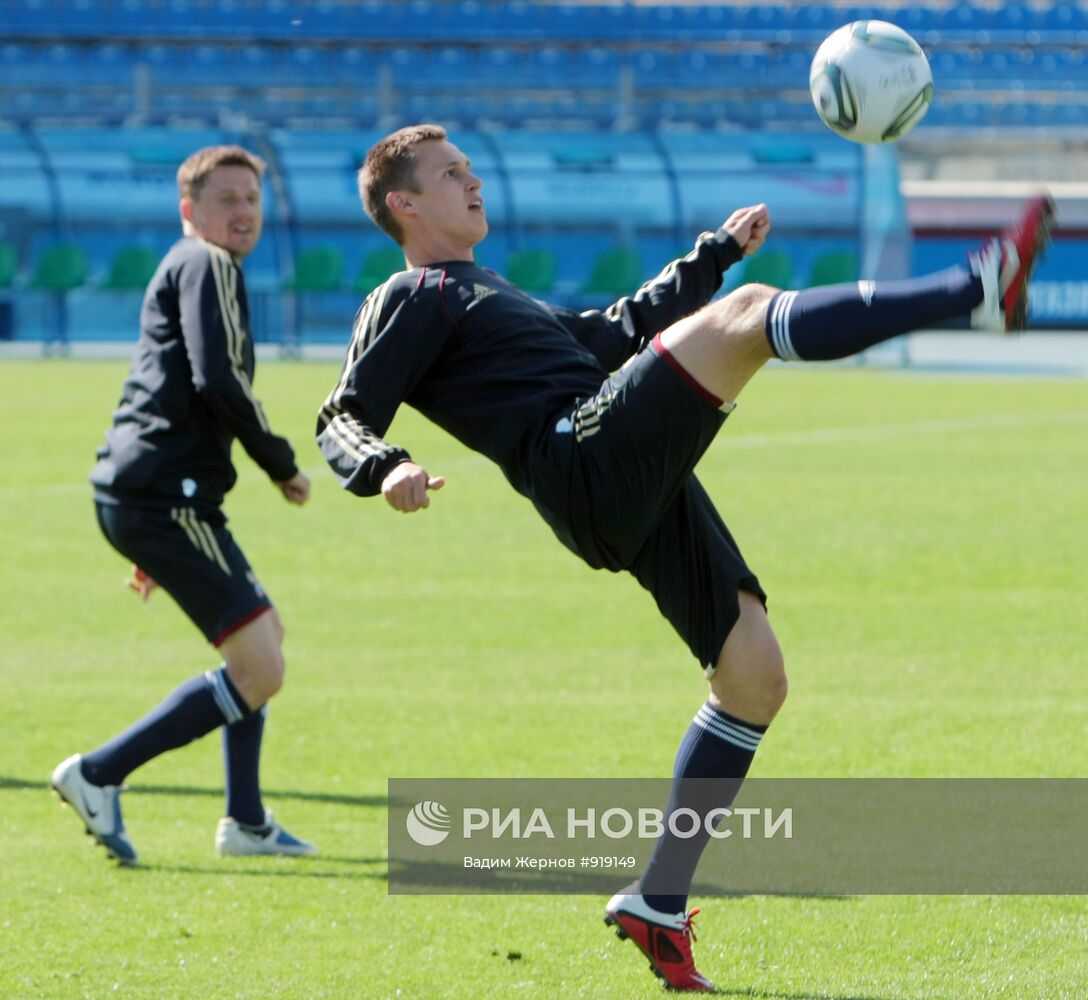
(448, 205)
(228, 211)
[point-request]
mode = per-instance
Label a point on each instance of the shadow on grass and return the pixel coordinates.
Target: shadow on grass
(442, 877)
(277, 868)
(439, 878)
(333, 798)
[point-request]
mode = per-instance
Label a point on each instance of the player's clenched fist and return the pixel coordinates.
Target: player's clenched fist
(749, 227)
(405, 488)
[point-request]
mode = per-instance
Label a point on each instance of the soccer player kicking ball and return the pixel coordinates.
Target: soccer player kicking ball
(159, 486)
(599, 418)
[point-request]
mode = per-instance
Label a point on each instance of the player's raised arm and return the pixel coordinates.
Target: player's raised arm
(683, 286)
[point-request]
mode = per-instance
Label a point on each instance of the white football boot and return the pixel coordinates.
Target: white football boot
(231, 839)
(99, 806)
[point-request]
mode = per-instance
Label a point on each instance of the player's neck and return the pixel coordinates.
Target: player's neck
(420, 253)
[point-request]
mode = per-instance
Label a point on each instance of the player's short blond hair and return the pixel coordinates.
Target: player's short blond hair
(391, 166)
(193, 174)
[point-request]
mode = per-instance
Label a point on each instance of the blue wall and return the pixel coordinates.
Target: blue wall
(573, 194)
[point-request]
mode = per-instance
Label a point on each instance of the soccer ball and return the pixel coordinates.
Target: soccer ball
(870, 81)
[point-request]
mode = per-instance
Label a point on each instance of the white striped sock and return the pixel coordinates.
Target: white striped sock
(728, 730)
(780, 327)
(224, 700)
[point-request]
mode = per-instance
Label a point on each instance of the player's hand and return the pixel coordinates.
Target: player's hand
(296, 489)
(140, 582)
(405, 487)
(749, 227)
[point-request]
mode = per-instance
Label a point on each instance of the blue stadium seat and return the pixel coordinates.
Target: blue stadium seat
(446, 67)
(36, 18)
(574, 22)
(304, 65)
(1010, 17)
(699, 22)
(109, 64)
(206, 65)
(170, 65)
(809, 24)
(11, 61)
(688, 68)
(1073, 114)
(1072, 66)
(963, 69)
(404, 64)
(254, 66)
(652, 66)
(713, 21)
(499, 65)
(864, 12)
(763, 22)
(748, 70)
(598, 66)
(58, 64)
(85, 18)
(551, 66)
(783, 68)
(963, 22)
(1064, 22)
(354, 66)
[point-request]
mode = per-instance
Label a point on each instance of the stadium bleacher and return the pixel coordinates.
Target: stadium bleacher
(621, 63)
(101, 98)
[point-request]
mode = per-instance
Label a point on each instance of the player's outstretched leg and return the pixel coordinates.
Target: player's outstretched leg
(837, 321)
(99, 806)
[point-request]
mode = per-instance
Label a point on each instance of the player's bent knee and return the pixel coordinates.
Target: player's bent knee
(750, 676)
(264, 684)
(740, 322)
(772, 685)
(257, 671)
(277, 625)
(777, 687)
(754, 690)
(273, 677)
(745, 306)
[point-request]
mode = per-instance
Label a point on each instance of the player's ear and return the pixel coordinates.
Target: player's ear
(185, 206)
(399, 202)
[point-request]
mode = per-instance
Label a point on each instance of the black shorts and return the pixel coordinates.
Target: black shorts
(638, 441)
(190, 553)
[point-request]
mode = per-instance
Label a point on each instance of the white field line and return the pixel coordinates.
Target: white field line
(822, 436)
(84, 485)
(844, 435)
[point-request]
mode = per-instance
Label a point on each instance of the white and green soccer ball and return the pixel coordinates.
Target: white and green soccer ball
(870, 81)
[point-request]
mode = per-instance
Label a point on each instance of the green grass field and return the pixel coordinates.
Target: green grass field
(923, 542)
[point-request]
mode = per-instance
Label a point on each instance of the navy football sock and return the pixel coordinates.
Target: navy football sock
(836, 321)
(241, 760)
(716, 746)
(192, 710)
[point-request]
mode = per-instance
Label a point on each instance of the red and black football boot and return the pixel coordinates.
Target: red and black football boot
(1005, 264)
(665, 939)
